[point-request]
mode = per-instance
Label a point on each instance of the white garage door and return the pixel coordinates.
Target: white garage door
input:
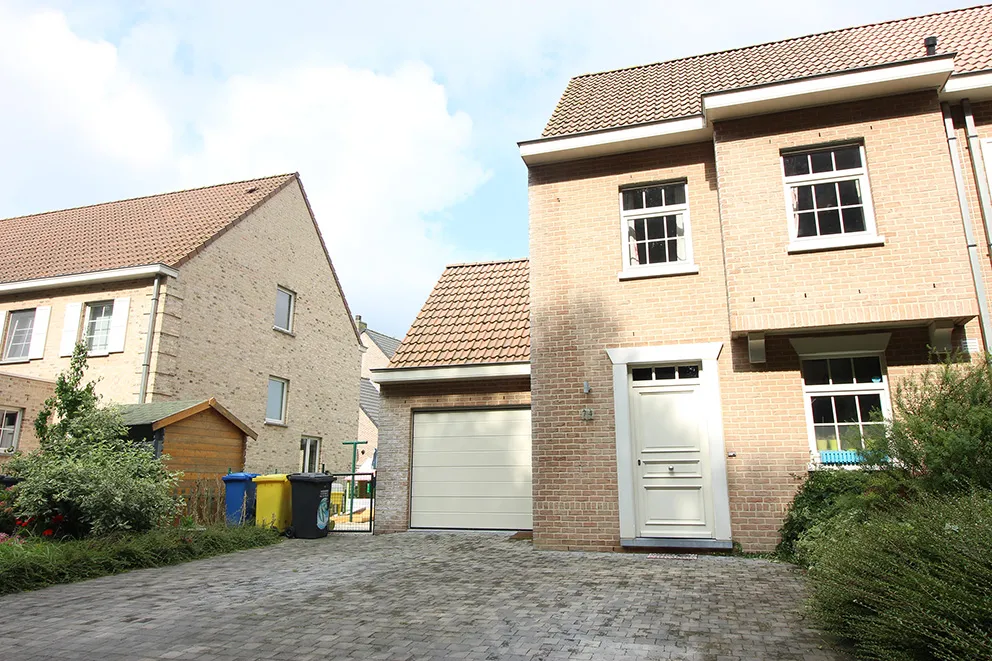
(471, 469)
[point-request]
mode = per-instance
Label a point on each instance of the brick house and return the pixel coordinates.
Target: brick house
(733, 259)
(377, 350)
(223, 292)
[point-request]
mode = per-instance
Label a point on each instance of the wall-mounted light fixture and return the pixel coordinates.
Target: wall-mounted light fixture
(585, 387)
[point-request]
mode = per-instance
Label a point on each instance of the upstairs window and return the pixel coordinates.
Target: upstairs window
(845, 396)
(285, 306)
(96, 327)
(275, 404)
(827, 195)
(656, 228)
(20, 328)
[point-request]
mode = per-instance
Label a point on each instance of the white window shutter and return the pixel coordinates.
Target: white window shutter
(70, 328)
(118, 325)
(39, 332)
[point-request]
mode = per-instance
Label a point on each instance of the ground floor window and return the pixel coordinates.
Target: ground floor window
(311, 454)
(10, 427)
(846, 399)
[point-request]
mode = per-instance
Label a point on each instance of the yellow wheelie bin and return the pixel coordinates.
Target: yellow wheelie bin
(273, 501)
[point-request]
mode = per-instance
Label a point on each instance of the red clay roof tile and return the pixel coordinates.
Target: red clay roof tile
(477, 314)
(666, 90)
(160, 229)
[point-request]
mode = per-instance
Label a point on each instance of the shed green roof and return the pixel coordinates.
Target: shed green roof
(148, 414)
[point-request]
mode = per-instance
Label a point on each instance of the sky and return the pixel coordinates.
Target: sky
(402, 117)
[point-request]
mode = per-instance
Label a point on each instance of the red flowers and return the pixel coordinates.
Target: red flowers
(58, 518)
(48, 532)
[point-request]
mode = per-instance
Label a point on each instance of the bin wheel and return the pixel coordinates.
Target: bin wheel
(290, 533)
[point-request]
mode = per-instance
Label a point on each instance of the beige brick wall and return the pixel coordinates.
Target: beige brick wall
(118, 375)
(368, 432)
(373, 358)
(922, 270)
(579, 308)
(29, 395)
(399, 402)
(218, 339)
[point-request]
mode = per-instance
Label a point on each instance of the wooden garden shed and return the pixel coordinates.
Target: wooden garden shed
(202, 438)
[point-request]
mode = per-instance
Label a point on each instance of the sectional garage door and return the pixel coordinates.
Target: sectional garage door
(471, 469)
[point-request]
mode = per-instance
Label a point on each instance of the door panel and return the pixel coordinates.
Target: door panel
(672, 463)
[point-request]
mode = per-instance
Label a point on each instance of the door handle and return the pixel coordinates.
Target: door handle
(638, 462)
(671, 468)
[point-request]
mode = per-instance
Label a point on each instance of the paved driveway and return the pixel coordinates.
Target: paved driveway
(420, 595)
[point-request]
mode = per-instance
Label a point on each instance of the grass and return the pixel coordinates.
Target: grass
(37, 563)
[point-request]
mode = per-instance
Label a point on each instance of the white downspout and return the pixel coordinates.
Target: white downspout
(976, 269)
(147, 360)
(978, 167)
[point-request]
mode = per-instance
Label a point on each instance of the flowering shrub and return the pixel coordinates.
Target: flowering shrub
(87, 477)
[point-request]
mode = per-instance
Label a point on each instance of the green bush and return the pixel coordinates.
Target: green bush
(87, 477)
(828, 493)
(941, 431)
(36, 563)
(912, 584)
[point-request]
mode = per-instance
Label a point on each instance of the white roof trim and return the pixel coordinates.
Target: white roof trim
(449, 372)
(93, 277)
(671, 353)
(833, 345)
(635, 138)
(974, 86)
(886, 80)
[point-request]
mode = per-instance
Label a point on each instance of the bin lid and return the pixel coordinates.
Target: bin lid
(311, 477)
(239, 477)
(274, 477)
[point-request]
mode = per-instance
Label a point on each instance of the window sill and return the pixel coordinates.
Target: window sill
(284, 331)
(275, 423)
(15, 361)
(834, 243)
(657, 271)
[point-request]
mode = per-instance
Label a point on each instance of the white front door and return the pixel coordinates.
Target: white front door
(673, 494)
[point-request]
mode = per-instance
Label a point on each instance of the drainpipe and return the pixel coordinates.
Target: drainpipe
(147, 361)
(976, 269)
(978, 167)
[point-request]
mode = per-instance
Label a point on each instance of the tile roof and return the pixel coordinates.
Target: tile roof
(666, 90)
(165, 229)
(477, 314)
(368, 400)
(387, 344)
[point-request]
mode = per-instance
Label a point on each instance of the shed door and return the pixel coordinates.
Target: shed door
(472, 469)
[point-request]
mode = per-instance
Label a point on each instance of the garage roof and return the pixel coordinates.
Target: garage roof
(478, 314)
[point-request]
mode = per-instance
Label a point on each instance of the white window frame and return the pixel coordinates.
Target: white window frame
(87, 310)
(678, 379)
(868, 237)
(634, 271)
(17, 427)
(292, 309)
(306, 445)
(7, 326)
(842, 389)
(285, 400)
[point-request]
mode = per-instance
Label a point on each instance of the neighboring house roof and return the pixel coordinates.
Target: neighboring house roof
(159, 229)
(386, 344)
(368, 400)
(671, 89)
(163, 414)
(477, 314)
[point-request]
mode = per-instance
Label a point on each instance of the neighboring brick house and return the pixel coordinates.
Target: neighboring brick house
(377, 350)
(225, 291)
(21, 400)
(733, 258)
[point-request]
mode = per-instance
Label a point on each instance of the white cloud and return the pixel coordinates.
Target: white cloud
(68, 89)
(377, 153)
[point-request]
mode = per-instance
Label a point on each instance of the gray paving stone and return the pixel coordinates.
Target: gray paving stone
(422, 596)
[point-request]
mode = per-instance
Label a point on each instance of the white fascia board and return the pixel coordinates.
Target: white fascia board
(684, 130)
(973, 86)
(93, 277)
(671, 353)
(887, 80)
(449, 373)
